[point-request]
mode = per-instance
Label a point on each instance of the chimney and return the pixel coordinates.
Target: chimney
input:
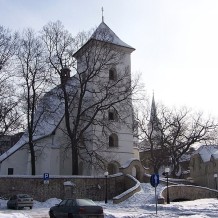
(65, 74)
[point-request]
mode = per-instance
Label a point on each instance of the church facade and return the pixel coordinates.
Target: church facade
(113, 144)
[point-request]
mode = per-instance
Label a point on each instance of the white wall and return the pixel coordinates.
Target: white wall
(18, 161)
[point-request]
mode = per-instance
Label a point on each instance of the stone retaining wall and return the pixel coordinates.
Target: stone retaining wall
(132, 186)
(77, 186)
(64, 186)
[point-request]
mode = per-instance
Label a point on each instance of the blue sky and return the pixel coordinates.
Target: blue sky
(176, 41)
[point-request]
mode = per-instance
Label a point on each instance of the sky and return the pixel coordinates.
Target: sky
(140, 205)
(175, 40)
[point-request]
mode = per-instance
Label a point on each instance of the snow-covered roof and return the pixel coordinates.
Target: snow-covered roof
(128, 162)
(207, 151)
(215, 154)
(49, 114)
(104, 33)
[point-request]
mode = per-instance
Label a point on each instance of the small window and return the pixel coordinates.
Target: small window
(112, 114)
(112, 74)
(10, 171)
(113, 140)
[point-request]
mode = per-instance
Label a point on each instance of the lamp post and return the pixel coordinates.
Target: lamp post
(215, 180)
(106, 175)
(167, 170)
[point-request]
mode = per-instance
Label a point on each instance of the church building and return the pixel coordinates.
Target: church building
(110, 136)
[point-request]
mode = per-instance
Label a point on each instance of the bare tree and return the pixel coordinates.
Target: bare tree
(170, 133)
(10, 116)
(60, 46)
(90, 93)
(32, 75)
(8, 46)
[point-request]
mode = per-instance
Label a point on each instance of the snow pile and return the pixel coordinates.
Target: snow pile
(140, 205)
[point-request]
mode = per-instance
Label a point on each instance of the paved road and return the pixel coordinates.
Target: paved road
(26, 213)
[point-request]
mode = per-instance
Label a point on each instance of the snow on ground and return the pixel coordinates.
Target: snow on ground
(141, 205)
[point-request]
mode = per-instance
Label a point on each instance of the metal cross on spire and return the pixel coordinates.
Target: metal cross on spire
(102, 10)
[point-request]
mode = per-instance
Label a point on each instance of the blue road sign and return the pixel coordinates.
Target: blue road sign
(46, 176)
(154, 180)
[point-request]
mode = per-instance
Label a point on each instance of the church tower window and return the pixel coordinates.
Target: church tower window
(112, 74)
(112, 114)
(113, 140)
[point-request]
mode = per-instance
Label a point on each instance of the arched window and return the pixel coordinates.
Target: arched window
(113, 140)
(112, 74)
(112, 114)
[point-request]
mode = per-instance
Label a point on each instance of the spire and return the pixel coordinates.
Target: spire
(153, 115)
(154, 124)
(102, 12)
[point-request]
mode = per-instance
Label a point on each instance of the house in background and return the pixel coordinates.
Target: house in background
(204, 166)
(7, 141)
(50, 139)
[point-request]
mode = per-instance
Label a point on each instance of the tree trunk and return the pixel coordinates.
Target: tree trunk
(32, 153)
(75, 166)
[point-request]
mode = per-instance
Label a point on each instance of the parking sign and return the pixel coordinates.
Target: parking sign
(46, 176)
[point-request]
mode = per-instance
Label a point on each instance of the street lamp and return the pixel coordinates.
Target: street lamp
(167, 170)
(215, 178)
(106, 175)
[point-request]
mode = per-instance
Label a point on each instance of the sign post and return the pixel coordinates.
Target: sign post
(46, 178)
(154, 180)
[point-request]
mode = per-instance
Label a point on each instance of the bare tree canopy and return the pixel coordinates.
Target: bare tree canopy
(170, 133)
(10, 116)
(8, 46)
(59, 46)
(31, 69)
